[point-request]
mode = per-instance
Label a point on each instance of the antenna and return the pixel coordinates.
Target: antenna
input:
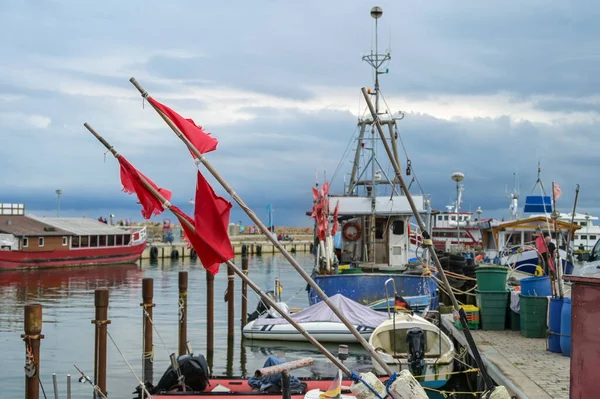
(375, 59)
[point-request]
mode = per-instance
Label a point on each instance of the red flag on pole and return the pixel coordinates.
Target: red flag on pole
(131, 179)
(335, 219)
(557, 191)
(211, 220)
(195, 134)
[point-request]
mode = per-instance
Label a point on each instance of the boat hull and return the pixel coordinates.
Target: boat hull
(321, 331)
(367, 288)
(18, 260)
(527, 261)
(436, 375)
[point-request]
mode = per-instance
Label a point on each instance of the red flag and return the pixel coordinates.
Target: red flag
(131, 179)
(211, 220)
(195, 134)
(335, 219)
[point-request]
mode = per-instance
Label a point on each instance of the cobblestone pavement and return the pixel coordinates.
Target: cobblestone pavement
(523, 362)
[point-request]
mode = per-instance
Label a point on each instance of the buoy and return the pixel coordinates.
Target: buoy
(258, 250)
(193, 254)
(174, 254)
(361, 391)
(406, 386)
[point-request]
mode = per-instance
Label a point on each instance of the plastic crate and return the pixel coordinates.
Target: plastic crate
(472, 313)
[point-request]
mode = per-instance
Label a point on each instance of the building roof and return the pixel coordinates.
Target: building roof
(19, 225)
(84, 226)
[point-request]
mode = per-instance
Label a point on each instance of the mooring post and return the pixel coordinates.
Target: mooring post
(285, 385)
(33, 334)
(210, 318)
(183, 287)
(230, 301)
(101, 321)
(244, 292)
(148, 346)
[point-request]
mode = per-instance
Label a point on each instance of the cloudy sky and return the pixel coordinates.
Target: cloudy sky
(487, 88)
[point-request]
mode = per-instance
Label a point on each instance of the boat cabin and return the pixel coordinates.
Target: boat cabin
(375, 237)
(21, 233)
(501, 236)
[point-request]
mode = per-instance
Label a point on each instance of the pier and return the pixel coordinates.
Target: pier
(180, 250)
(523, 365)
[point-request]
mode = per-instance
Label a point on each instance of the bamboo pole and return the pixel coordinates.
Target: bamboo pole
(147, 305)
(270, 236)
(237, 270)
(101, 321)
(183, 291)
(427, 242)
(32, 325)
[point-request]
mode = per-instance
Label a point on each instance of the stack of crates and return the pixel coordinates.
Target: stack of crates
(472, 317)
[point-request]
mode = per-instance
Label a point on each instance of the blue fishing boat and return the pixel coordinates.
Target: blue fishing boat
(372, 215)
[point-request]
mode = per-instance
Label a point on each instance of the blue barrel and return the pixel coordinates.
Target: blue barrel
(554, 322)
(536, 286)
(565, 327)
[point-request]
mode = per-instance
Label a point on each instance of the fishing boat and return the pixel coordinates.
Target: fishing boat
(373, 217)
(319, 321)
(29, 242)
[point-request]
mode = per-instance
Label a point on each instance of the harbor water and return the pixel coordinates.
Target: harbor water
(67, 297)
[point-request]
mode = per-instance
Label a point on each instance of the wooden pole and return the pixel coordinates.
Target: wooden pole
(427, 242)
(147, 351)
(230, 302)
(244, 293)
(241, 274)
(270, 236)
(183, 288)
(33, 334)
(210, 318)
(101, 321)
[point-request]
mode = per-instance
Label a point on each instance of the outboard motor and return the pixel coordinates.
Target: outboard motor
(192, 372)
(415, 338)
(261, 308)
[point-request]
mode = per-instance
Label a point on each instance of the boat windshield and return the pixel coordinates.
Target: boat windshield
(385, 341)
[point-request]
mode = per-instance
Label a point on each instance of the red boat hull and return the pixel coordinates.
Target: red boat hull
(18, 260)
(239, 388)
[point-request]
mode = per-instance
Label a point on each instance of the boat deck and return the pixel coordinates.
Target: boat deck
(522, 365)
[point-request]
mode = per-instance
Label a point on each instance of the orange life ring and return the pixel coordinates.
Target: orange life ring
(348, 236)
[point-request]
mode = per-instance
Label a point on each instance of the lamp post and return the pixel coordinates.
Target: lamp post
(457, 177)
(58, 193)
(587, 231)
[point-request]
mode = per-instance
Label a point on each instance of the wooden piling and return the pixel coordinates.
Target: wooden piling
(230, 302)
(101, 321)
(210, 318)
(147, 351)
(244, 293)
(183, 287)
(33, 335)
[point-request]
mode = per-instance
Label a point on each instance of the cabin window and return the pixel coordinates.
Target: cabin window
(93, 241)
(25, 242)
(64, 241)
(102, 242)
(85, 241)
(584, 237)
(583, 224)
(111, 241)
(398, 227)
(75, 242)
(41, 242)
(119, 240)
(440, 217)
(592, 237)
(446, 218)
(126, 239)
(453, 218)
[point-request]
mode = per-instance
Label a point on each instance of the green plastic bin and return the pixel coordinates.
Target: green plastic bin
(492, 308)
(491, 278)
(515, 321)
(534, 315)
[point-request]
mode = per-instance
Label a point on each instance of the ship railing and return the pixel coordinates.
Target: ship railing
(142, 235)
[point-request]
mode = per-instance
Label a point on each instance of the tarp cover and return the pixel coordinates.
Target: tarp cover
(355, 312)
